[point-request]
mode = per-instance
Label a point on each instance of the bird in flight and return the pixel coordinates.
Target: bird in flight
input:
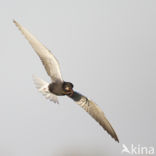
(59, 87)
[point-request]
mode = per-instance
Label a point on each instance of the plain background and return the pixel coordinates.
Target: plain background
(106, 48)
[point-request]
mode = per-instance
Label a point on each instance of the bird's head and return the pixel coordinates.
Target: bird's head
(68, 88)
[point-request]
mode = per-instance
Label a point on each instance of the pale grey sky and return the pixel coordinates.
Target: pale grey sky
(106, 48)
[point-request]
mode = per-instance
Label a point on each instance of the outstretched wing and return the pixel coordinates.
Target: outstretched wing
(48, 59)
(95, 112)
(42, 87)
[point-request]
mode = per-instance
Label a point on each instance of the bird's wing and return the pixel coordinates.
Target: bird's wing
(90, 107)
(42, 87)
(48, 59)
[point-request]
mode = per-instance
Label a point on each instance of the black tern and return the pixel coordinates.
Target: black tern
(58, 87)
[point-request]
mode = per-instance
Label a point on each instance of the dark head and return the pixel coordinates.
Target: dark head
(68, 88)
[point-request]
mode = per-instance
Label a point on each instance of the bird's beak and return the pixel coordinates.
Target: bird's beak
(70, 93)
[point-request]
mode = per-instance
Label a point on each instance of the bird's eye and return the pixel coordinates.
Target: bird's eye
(67, 88)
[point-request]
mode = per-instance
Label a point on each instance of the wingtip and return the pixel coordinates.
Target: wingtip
(117, 140)
(114, 136)
(15, 22)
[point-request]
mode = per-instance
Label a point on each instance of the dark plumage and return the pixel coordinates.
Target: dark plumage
(60, 89)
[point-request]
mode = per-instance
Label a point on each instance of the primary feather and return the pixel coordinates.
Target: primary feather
(48, 59)
(91, 108)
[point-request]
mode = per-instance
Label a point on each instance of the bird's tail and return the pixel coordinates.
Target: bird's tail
(42, 87)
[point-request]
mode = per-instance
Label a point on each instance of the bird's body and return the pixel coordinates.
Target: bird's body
(58, 87)
(61, 89)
